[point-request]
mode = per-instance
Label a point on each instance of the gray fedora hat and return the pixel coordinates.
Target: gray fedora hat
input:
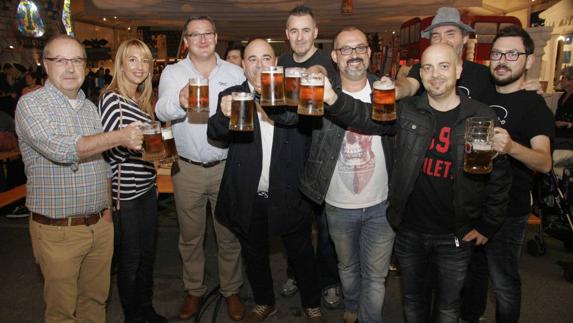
(447, 16)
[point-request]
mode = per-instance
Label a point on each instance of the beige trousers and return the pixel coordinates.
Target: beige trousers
(76, 264)
(194, 186)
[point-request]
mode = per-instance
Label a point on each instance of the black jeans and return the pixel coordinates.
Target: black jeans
(137, 234)
(417, 254)
(326, 259)
(298, 245)
(500, 258)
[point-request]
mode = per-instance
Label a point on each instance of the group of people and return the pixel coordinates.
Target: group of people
(372, 189)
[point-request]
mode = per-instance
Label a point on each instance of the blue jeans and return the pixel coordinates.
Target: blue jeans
(501, 259)
(417, 253)
(363, 240)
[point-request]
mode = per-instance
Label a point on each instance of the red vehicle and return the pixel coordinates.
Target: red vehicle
(412, 44)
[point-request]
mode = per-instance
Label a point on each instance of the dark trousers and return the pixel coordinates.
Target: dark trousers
(500, 258)
(137, 234)
(326, 260)
(417, 253)
(298, 245)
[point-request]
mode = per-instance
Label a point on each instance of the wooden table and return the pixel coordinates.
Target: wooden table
(164, 184)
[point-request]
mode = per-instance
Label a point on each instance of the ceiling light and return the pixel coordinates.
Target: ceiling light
(114, 17)
(129, 28)
(104, 19)
(11, 47)
(269, 40)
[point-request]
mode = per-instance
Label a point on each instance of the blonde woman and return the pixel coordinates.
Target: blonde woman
(128, 99)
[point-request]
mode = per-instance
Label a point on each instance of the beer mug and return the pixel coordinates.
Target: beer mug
(311, 94)
(242, 111)
(272, 86)
(198, 94)
(292, 85)
(383, 101)
(479, 151)
(169, 145)
(153, 148)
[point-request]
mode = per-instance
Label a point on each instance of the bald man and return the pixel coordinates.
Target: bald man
(259, 194)
(439, 211)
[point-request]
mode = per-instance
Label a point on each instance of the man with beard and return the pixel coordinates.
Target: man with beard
(301, 31)
(525, 136)
(439, 211)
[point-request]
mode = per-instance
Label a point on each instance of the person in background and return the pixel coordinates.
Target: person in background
(68, 190)
(564, 112)
(234, 54)
(127, 100)
(198, 171)
(31, 84)
(405, 69)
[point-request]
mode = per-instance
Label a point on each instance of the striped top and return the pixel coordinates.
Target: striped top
(49, 126)
(137, 176)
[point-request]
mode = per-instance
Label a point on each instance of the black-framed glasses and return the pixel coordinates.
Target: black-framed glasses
(197, 36)
(347, 50)
(511, 55)
(61, 61)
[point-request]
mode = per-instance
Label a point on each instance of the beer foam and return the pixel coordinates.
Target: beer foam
(242, 96)
(311, 82)
(481, 146)
(383, 86)
(294, 71)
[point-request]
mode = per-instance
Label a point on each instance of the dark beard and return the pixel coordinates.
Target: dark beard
(507, 81)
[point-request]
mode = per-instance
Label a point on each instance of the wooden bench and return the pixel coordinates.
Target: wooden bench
(12, 195)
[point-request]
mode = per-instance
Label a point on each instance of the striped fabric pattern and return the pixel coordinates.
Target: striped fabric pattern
(137, 176)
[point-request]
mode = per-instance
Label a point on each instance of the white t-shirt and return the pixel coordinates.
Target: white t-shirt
(360, 178)
(267, 129)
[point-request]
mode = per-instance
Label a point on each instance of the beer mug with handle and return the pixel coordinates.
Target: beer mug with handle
(153, 148)
(479, 152)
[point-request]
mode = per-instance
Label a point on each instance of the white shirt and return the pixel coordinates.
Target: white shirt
(360, 178)
(191, 138)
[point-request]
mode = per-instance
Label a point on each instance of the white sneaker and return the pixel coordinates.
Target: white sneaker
(289, 288)
(331, 297)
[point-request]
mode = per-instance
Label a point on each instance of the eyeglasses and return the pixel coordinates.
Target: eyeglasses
(197, 36)
(347, 50)
(60, 61)
(512, 55)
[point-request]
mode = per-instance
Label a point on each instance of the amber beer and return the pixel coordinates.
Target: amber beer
(292, 85)
(479, 151)
(153, 148)
(272, 86)
(242, 111)
(311, 96)
(198, 95)
(383, 101)
(169, 144)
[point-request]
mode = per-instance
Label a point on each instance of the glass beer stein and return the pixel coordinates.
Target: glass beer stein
(153, 148)
(169, 145)
(242, 111)
(479, 153)
(383, 101)
(292, 85)
(198, 95)
(311, 96)
(272, 86)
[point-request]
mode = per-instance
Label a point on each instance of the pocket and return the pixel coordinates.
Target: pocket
(51, 233)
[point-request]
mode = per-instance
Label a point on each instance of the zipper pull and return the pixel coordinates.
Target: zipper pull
(457, 242)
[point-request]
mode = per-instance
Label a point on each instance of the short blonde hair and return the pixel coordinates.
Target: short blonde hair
(118, 82)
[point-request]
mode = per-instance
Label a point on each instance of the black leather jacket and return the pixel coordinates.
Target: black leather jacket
(480, 201)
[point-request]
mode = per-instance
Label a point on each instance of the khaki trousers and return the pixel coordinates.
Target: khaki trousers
(75, 263)
(193, 187)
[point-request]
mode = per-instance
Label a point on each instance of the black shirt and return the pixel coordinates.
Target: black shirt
(430, 207)
(318, 58)
(524, 114)
(475, 81)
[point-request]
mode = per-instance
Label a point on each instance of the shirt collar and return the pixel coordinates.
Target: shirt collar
(61, 96)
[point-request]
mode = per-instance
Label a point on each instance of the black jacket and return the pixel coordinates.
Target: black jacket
(243, 168)
(327, 137)
(480, 201)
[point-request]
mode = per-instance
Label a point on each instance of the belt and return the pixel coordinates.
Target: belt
(263, 194)
(204, 165)
(87, 220)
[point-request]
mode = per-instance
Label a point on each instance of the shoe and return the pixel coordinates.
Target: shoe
(189, 307)
(260, 313)
(331, 297)
(19, 211)
(392, 267)
(350, 317)
(289, 288)
(235, 307)
(151, 316)
(313, 315)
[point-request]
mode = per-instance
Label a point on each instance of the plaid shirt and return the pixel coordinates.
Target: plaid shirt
(59, 183)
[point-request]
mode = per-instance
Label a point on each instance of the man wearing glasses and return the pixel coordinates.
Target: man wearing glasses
(527, 128)
(68, 189)
(199, 169)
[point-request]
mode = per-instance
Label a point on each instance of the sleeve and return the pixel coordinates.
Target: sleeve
(218, 124)
(38, 129)
(111, 120)
(167, 106)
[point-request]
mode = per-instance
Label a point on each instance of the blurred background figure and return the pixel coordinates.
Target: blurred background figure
(564, 112)
(234, 54)
(31, 83)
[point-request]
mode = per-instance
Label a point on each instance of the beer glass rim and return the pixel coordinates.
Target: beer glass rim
(479, 120)
(311, 78)
(272, 69)
(198, 81)
(242, 96)
(379, 85)
(294, 71)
